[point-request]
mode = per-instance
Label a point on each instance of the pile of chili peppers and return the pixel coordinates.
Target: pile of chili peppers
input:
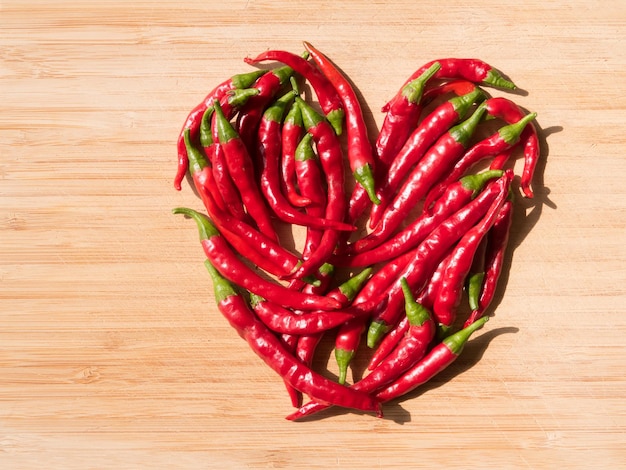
(405, 234)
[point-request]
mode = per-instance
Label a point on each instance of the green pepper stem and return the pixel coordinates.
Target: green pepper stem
(245, 80)
(352, 286)
(511, 133)
(222, 288)
(496, 79)
(343, 358)
(225, 130)
(477, 181)
(463, 132)
(456, 342)
(416, 313)
(197, 160)
(375, 332)
(206, 229)
(365, 177)
(206, 134)
(413, 90)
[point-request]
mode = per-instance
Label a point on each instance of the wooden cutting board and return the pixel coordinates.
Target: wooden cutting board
(112, 353)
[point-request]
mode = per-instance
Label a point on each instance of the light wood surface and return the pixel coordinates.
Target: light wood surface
(112, 354)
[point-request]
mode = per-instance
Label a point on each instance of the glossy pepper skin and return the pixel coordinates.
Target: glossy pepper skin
(241, 168)
(225, 260)
(431, 128)
(192, 123)
(360, 152)
(510, 112)
(435, 361)
(246, 239)
(459, 265)
(410, 349)
(473, 70)
(435, 162)
(502, 140)
(428, 255)
(272, 351)
(291, 134)
(402, 117)
(331, 158)
(454, 198)
(497, 241)
(327, 95)
(269, 144)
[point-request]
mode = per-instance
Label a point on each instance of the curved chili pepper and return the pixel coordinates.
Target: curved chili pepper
(456, 196)
(497, 241)
(434, 90)
(402, 117)
(473, 70)
(327, 95)
(223, 181)
(435, 162)
(232, 268)
(241, 168)
(436, 360)
(310, 180)
(432, 127)
(291, 342)
(283, 320)
(510, 112)
(269, 140)
(409, 350)
(291, 134)
(504, 139)
(271, 350)
(477, 274)
(331, 157)
(458, 266)
(433, 249)
(360, 154)
(192, 122)
(259, 249)
(251, 113)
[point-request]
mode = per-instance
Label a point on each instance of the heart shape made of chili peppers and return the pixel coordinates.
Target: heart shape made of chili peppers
(258, 152)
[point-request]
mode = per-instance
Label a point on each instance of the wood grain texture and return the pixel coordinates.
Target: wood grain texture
(112, 354)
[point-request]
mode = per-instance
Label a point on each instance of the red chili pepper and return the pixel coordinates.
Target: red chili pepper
(454, 198)
(436, 360)
(235, 270)
(504, 139)
(432, 250)
(510, 112)
(259, 249)
(270, 349)
(269, 139)
(327, 95)
(433, 165)
(251, 113)
(360, 154)
(291, 134)
(241, 168)
(283, 320)
(310, 180)
(473, 70)
(223, 181)
(193, 119)
(331, 157)
(497, 241)
(432, 127)
(402, 117)
(459, 265)
(410, 349)
(436, 89)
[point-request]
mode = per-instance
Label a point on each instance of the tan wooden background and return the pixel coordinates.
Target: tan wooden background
(112, 354)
